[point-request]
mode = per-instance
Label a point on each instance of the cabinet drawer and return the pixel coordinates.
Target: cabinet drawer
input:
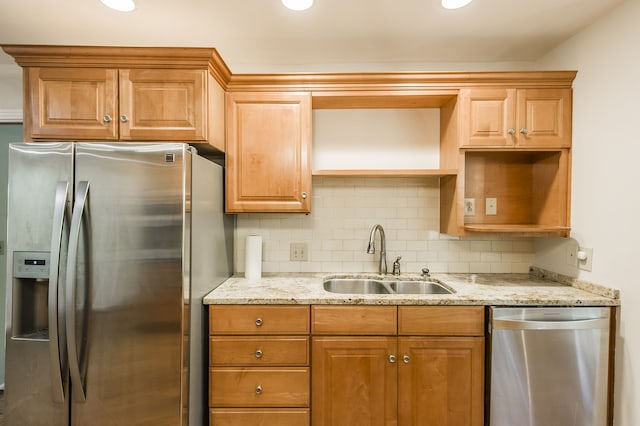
(259, 387)
(441, 320)
(256, 416)
(355, 320)
(258, 319)
(253, 351)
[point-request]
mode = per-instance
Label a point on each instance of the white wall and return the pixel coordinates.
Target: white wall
(606, 172)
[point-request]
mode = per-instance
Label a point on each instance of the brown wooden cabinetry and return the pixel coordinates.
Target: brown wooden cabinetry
(259, 365)
(515, 149)
(122, 94)
(509, 117)
(268, 152)
(428, 372)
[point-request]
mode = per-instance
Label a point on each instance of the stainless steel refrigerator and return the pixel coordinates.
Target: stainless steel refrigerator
(110, 249)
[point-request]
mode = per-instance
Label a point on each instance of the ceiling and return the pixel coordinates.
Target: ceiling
(263, 36)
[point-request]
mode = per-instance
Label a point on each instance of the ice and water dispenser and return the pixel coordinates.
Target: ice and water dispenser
(30, 320)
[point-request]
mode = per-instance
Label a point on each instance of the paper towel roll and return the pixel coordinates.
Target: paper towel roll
(253, 257)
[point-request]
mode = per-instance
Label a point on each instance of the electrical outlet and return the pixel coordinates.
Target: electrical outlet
(491, 206)
(1, 247)
(585, 258)
(469, 206)
(298, 252)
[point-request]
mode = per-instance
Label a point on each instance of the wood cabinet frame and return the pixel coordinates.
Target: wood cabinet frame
(525, 92)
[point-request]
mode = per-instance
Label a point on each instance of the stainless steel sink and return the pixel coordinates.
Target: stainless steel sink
(375, 286)
(418, 287)
(355, 286)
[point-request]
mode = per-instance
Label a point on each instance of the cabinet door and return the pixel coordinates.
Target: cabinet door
(71, 103)
(544, 118)
(354, 382)
(488, 117)
(163, 105)
(440, 381)
(268, 152)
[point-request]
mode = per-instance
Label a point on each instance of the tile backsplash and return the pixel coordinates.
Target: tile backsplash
(344, 209)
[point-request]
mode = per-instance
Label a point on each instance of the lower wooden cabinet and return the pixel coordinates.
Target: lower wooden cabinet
(361, 366)
(440, 381)
(354, 381)
(430, 372)
(259, 365)
(262, 417)
(259, 387)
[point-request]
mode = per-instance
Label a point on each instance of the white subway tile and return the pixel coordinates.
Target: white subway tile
(345, 209)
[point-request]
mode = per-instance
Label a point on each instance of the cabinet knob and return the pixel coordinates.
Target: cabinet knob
(524, 131)
(392, 359)
(406, 359)
(107, 118)
(258, 322)
(304, 195)
(258, 389)
(259, 353)
(124, 118)
(511, 131)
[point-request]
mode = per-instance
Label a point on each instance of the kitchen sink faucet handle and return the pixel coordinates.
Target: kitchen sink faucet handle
(396, 266)
(425, 272)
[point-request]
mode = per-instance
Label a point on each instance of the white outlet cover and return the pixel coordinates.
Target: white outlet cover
(491, 206)
(585, 264)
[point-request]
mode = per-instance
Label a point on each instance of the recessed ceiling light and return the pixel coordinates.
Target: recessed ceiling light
(120, 5)
(297, 5)
(454, 4)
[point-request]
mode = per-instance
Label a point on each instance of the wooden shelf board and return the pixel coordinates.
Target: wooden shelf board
(389, 173)
(520, 229)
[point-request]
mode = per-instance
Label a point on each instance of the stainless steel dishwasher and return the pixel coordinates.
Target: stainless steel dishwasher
(548, 366)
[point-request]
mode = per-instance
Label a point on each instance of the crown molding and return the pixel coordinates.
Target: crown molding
(10, 116)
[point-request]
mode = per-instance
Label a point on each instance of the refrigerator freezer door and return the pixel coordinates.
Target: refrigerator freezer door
(36, 388)
(129, 284)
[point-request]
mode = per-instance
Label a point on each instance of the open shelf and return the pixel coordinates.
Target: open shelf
(530, 188)
(389, 173)
(521, 229)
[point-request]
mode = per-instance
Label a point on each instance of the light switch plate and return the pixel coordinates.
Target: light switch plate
(469, 206)
(491, 206)
(298, 252)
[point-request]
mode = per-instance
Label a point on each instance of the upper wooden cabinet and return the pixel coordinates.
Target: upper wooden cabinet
(127, 94)
(520, 118)
(268, 152)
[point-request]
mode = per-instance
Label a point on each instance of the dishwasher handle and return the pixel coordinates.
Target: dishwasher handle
(583, 324)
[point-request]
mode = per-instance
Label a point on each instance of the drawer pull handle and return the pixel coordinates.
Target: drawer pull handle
(124, 118)
(259, 390)
(406, 359)
(106, 118)
(259, 322)
(259, 353)
(392, 359)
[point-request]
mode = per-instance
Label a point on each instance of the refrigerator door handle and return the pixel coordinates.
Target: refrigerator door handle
(57, 342)
(77, 379)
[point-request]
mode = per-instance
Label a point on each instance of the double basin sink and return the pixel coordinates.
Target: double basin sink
(379, 286)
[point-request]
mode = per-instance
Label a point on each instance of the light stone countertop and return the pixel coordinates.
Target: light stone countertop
(536, 288)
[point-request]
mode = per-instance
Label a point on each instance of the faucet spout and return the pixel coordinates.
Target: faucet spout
(371, 249)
